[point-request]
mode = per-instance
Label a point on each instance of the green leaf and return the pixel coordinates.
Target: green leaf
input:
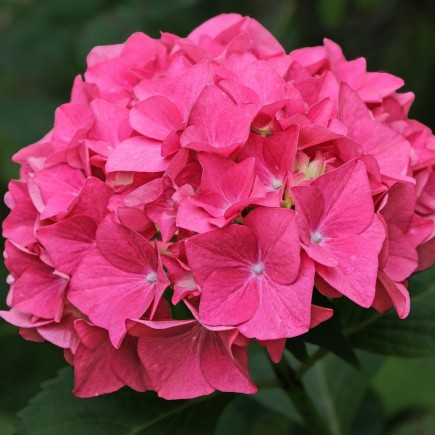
(297, 348)
(248, 417)
(415, 377)
(412, 337)
(269, 394)
(371, 417)
(338, 390)
(55, 411)
(329, 334)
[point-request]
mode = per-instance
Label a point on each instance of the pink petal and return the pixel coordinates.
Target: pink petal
(39, 291)
(20, 223)
(278, 239)
(93, 200)
(155, 118)
(99, 368)
(67, 242)
(348, 201)
(357, 256)
(389, 148)
(216, 124)
(170, 355)
(228, 297)
(389, 294)
(284, 311)
(137, 154)
(225, 366)
(231, 247)
(109, 295)
(53, 190)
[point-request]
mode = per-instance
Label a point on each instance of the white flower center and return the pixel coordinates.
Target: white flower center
(258, 269)
(316, 237)
(276, 184)
(152, 277)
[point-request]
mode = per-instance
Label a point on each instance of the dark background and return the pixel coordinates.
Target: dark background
(43, 45)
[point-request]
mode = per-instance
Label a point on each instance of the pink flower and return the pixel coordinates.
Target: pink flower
(253, 276)
(185, 360)
(223, 175)
(100, 368)
(122, 274)
(340, 231)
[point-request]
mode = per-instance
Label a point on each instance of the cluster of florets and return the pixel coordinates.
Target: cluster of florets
(194, 192)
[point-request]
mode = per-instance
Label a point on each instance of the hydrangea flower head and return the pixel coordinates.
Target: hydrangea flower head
(219, 177)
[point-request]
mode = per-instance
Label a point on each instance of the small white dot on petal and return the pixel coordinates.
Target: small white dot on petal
(316, 237)
(258, 269)
(276, 184)
(152, 277)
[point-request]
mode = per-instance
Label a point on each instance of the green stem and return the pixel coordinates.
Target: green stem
(316, 356)
(298, 395)
(321, 352)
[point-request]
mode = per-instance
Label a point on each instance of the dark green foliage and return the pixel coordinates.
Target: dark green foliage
(43, 45)
(55, 411)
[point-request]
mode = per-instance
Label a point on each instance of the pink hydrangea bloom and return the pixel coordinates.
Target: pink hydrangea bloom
(218, 174)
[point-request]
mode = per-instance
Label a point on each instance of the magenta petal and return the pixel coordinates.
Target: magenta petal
(111, 123)
(390, 149)
(319, 315)
(137, 154)
(284, 311)
(54, 189)
(156, 117)
(92, 200)
(348, 200)
(61, 334)
(321, 255)
(171, 358)
(40, 292)
(310, 206)
(357, 256)
(125, 248)
(99, 368)
(75, 235)
(351, 107)
(224, 370)
(278, 239)
(20, 224)
(109, 295)
(192, 217)
(229, 297)
(232, 247)
(389, 294)
(216, 124)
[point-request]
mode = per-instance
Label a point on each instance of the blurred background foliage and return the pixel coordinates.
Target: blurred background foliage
(43, 45)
